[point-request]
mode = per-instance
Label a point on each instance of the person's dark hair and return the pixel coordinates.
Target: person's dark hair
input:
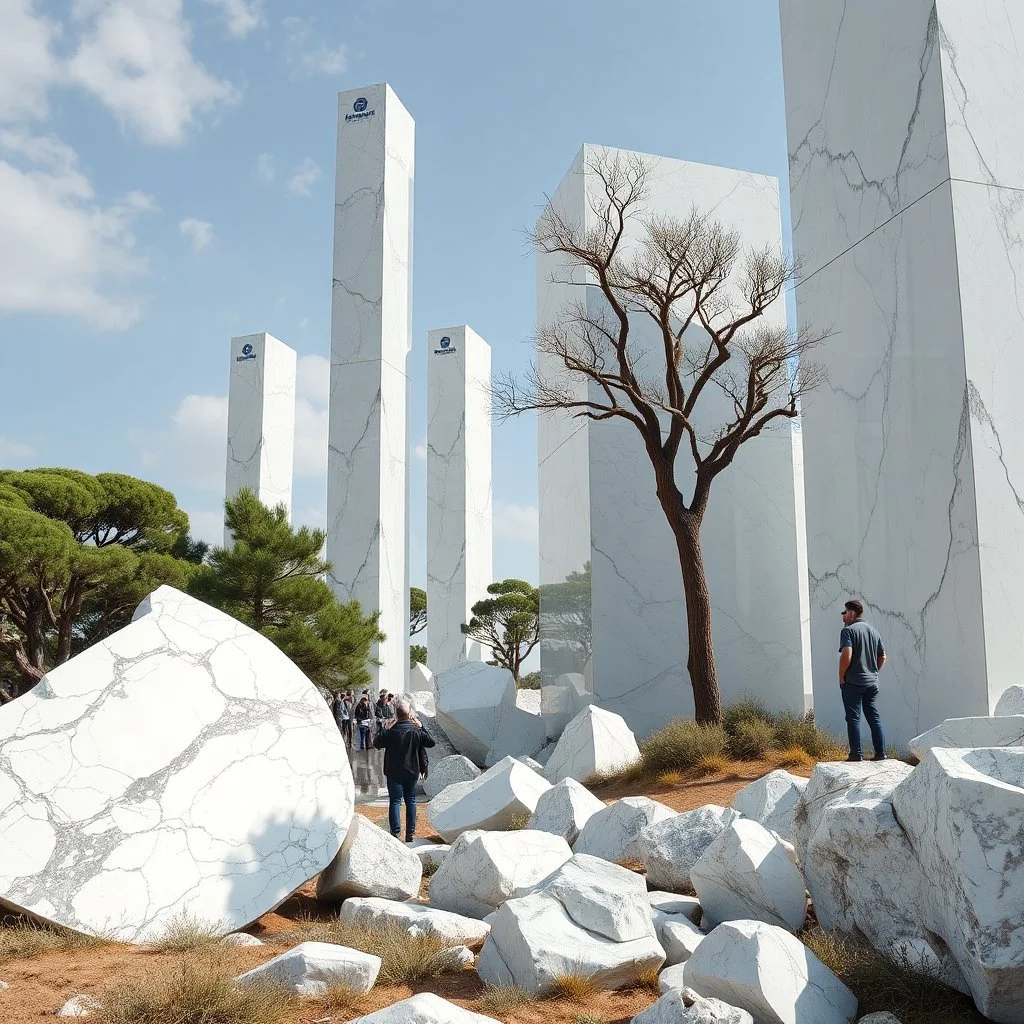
(854, 606)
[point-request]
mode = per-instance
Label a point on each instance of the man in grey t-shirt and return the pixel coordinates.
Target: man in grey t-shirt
(861, 657)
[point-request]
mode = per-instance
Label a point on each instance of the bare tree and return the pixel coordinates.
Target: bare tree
(680, 336)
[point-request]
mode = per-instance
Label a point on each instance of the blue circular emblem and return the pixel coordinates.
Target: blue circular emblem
(360, 105)
(247, 350)
(445, 341)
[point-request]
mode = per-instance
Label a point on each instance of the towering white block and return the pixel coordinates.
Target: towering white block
(906, 169)
(612, 608)
(261, 419)
(459, 559)
(367, 487)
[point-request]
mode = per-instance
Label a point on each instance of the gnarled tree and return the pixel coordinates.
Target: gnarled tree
(681, 335)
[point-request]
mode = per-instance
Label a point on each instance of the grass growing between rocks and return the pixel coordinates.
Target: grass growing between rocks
(575, 987)
(499, 1000)
(649, 982)
(894, 984)
(22, 939)
(185, 934)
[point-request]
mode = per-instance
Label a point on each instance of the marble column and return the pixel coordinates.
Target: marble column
(459, 557)
(612, 609)
(906, 155)
(261, 419)
(367, 484)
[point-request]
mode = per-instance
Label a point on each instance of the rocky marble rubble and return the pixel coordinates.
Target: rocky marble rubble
(680, 939)
(81, 1005)
(371, 862)
(493, 801)
(670, 845)
(670, 907)
(447, 771)
(564, 809)
(610, 831)
(430, 854)
(415, 919)
(772, 801)
(126, 796)
(997, 731)
(484, 869)
(529, 701)
(310, 968)
(684, 1006)
(595, 741)
(770, 974)
(1012, 701)
(425, 1008)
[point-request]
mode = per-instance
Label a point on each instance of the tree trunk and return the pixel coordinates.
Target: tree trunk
(707, 701)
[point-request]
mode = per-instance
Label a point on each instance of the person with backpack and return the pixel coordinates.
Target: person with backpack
(404, 746)
(364, 720)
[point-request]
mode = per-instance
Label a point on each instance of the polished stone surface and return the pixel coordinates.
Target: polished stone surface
(367, 491)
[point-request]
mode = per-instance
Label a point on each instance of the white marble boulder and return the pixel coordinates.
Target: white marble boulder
(529, 701)
(680, 939)
(371, 862)
(564, 809)
(746, 874)
(425, 1008)
(430, 854)
(669, 847)
(484, 869)
(1012, 701)
(772, 801)
(421, 680)
(672, 978)
(476, 708)
(963, 812)
(503, 793)
(670, 908)
(535, 940)
(995, 731)
(684, 1006)
(423, 703)
(610, 831)
(447, 771)
(82, 1005)
(183, 767)
(594, 742)
(563, 699)
(415, 919)
(770, 974)
(310, 968)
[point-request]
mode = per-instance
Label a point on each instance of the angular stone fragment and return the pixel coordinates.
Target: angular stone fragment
(371, 862)
(430, 854)
(564, 809)
(183, 767)
(529, 701)
(745, 874)
(609, 832)
(535, 766)
(680, 939)
(674, 1007)
(1012, 701)
(425, 1008)
(448, 771)
(595, 741)
(669, 907)
(995, 731)
(505, 792)
(80, 1006)
(415, 919)
(484, 869)
(672, 978)
(310, 968)
(669, 847)
(772, 801)
(241, 939)
(770, 974)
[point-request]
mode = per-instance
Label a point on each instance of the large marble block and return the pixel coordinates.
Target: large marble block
(612, 606)
(905, 171)
(261, 420)
(459, 557)
(183, 767)
(367, 486)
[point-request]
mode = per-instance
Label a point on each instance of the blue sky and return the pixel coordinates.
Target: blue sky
(166, 182)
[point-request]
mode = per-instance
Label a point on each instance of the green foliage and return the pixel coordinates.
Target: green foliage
(417, 655)
(417, 610)
(681, 746)
(747, 709)
(531, 681)
(508, 623)
(751, 739)
(800, 731)
(77, 554)
(272, 579)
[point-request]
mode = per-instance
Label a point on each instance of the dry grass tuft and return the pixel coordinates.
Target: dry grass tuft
(711, 764)
(649, 982)
(589, 1018)
(499, 1000)
(24, 939)
(791, 757)
(430, 868)
(577, 988)
(800, 731)
(404, 958)
(341, 1000)
(898, 984)
(743, 712)
(630, 773)
(193, 990)
(518, 822)
(680, 746)
(751, 739)
(632, 865)
(185, 934)
(671, 779)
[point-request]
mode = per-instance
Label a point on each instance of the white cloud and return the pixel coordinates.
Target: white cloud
(266, 170)
(198, 232)
(12, 451)
(420, 451)
(28, 66)
(60, 250)
(241, 16)
(303, 178)
(312, 393)
(134, 56)
(308, 58)
(515, 522)
(313, 379)
(198, 440)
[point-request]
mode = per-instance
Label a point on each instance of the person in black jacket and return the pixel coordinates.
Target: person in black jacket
(402, 745)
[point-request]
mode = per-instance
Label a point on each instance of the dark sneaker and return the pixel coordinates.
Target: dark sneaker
(880, 757)
(855, 759)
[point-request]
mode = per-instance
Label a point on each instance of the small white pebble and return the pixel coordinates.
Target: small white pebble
(241, 939)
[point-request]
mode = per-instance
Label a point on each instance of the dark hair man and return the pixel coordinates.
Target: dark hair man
(861, 657)
(402, 745)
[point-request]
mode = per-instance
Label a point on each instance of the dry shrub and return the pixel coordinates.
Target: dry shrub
(184, 934)
(630, 864)
(711, 764)
(575, 987)
(649, 982)
(194, 989)
(791, 757)
(898, 984)
(499, 1000)
(430, 868)
(341, 1000)
(671, 779)
(745, 711)
(795, 731)
(751, 739)
(24, 939)
(589, 1018)
(680, 745)
(628, 773)
(518, 822)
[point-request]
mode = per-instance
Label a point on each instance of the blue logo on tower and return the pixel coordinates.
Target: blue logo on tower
(446, 347)
(360, 111)
(247, 353)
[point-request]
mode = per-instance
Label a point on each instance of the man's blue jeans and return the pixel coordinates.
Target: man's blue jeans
(854, 696)
(402, 788)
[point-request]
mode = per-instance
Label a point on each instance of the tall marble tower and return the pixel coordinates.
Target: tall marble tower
(906, 152)
(261, 420)
(367, 485)
(459, 557)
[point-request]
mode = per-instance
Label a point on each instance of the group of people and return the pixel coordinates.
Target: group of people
(367, 716)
